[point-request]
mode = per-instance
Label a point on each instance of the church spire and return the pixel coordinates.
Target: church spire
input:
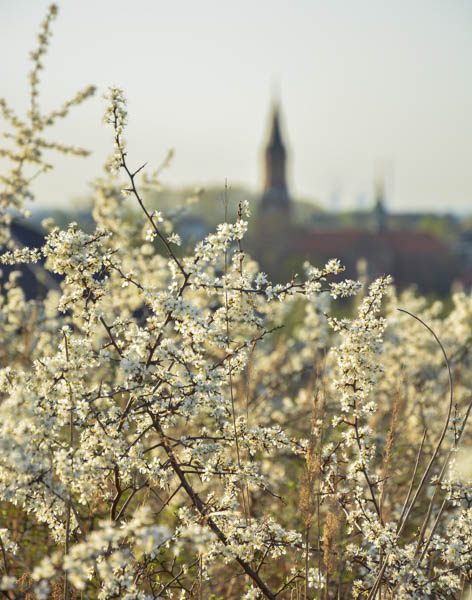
(380, 211)
(275, 197)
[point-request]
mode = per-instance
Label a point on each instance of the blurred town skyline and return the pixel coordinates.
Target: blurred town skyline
(368, 91)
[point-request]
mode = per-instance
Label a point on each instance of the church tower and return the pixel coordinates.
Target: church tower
(380, 211)
(275, 199)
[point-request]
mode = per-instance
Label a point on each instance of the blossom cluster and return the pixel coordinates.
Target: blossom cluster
(26, 138)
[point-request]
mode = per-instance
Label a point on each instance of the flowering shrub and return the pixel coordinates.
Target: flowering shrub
(164, 435)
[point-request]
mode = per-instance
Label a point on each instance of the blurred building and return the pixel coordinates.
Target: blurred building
(373, 237)
(33, 278)
(276, 204)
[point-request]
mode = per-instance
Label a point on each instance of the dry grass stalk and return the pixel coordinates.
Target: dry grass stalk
(330, 550)
(397, 405)
(309, 498)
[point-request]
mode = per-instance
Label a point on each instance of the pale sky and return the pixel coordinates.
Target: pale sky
(368, 88)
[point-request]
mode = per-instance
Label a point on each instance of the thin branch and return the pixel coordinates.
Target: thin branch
(448, 417)
(200, 506)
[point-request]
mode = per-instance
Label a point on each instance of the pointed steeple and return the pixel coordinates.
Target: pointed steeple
(380, 211)
(275, 139)
(275, 198)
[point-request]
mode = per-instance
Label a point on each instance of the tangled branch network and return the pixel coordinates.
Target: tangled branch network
(175, 425)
